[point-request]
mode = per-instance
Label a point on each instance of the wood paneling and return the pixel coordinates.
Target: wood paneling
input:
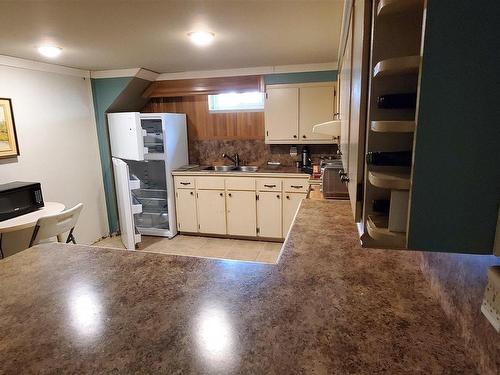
(203, 86)
(203, 125)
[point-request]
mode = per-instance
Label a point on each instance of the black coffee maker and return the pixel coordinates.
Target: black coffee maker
(306, 160)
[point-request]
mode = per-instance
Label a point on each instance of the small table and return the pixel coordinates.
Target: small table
(28, 220)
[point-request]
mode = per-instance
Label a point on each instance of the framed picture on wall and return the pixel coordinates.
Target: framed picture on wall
(8, 137)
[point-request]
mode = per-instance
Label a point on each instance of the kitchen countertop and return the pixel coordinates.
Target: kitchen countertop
(327, 307)
(264, 171)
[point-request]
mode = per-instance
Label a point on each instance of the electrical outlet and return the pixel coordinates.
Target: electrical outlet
(491, 301)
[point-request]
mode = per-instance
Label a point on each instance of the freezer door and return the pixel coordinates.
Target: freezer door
(126, 206)
(126, 135)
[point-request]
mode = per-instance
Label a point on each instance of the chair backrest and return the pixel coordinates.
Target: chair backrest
(53, 225)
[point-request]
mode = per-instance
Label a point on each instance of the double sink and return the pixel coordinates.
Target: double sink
(232, 168)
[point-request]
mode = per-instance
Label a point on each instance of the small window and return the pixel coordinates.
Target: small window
(236, 102)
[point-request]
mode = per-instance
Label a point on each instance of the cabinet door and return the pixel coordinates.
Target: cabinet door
(211, 211)
(291, 204)
(345, 98)
(281, 114)
(185, 205)
(241, 213)
(358, 104)
(126, 135)
(316, 106)
(269, 214)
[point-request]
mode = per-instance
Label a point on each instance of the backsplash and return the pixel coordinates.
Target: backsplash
(252, 152)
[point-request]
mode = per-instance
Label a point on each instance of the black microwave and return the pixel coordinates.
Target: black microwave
(19, 198)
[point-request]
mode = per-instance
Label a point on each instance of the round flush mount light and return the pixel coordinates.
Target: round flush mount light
(201, 38)
(49, 51)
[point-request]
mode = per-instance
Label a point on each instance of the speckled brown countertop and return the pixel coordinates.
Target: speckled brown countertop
(327, 307)
(263, 171)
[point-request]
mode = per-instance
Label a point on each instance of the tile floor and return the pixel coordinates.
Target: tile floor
(206, 247)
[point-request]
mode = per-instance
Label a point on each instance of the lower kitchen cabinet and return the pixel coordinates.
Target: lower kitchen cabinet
(186, 210)
(241, 213)
(211, 211)
(291, 202)
(269, 214)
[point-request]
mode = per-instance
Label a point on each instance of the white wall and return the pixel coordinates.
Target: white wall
(57, 139)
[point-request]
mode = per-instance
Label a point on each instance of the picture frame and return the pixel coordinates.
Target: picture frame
(8, 138)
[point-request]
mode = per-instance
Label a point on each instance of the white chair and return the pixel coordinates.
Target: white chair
(55, 225)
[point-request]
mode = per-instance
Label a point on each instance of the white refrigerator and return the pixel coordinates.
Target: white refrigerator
(146, 147)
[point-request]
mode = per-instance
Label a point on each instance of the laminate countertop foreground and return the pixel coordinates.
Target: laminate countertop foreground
(327, 307)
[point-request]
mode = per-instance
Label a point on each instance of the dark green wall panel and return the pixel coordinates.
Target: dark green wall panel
(456, 183)
(104, 92)
(304, 77)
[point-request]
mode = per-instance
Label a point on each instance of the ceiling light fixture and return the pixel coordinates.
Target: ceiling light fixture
(201, 38)
(49, 51)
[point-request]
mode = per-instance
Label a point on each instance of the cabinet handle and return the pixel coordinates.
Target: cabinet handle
(278, 196)
(287, 197)
(221, 194)
(344, 178)
(191, 193)
(295, 136)
(297, 186)
(230, 194)
(185, 183)
(269, 186)
(304, 136)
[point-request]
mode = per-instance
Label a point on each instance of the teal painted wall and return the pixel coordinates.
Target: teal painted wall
(456, 172)
(105, 91)
(303, 77)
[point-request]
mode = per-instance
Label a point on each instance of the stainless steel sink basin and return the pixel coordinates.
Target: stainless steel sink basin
(232, 168)
(247, 168)
(221, 168)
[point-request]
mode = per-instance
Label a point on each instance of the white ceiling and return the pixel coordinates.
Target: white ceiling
(99, 35)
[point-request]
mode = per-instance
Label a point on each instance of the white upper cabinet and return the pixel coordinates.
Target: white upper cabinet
(291, 111)
(316, 105)
(126, 135)
(281, 114)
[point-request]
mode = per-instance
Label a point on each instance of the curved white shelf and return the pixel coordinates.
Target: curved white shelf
(393, 126)
(390, 180)
(397, 65)
(377, 227)
(386, 7)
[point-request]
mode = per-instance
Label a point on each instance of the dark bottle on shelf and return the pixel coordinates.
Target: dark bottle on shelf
(397, 101)
(381, 206)
(398, 158)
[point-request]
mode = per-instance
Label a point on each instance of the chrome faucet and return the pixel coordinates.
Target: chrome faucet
(235, 159)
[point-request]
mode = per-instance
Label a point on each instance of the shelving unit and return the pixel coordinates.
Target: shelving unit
(395, 67)
(377, 227)
(388, 7)
(390, 180)
(393, 126)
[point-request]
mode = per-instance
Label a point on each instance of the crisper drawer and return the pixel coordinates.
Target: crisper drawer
(151, 200)
(152, 220)
(184, 182)
(269, 184)
(210, 183)
(295, 185)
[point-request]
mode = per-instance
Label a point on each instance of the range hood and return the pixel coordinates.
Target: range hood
(329, 128)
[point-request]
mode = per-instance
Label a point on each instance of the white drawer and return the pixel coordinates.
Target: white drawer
(210, 183)
(269, 184)
(295, 185)
(184, 182)
(240, 183)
